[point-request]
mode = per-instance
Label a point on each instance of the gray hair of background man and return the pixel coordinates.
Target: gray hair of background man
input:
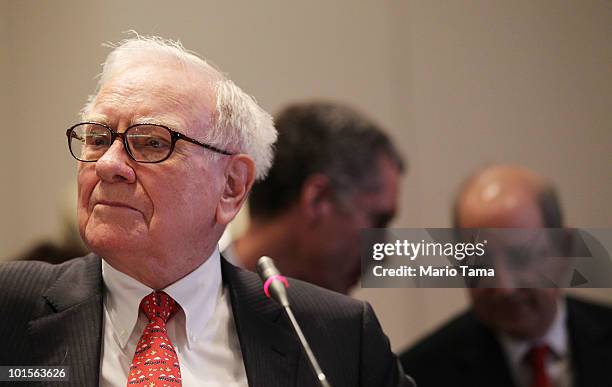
(327, 138)
(238, 123)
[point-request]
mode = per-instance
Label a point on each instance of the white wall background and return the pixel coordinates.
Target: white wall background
(457, 84)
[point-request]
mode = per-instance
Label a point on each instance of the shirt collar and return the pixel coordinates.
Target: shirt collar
(197, 293)
(230, 256)
(556, 338)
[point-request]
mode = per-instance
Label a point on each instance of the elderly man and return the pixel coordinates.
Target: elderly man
(168, 150)
(515, 337)
(334, 173)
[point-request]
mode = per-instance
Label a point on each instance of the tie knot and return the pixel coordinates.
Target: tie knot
(159, 305)
(537, 354)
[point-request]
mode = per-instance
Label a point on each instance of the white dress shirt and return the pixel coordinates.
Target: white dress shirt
(558, 366)
(202, 331)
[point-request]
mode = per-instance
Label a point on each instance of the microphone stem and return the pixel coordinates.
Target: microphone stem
(313, 361)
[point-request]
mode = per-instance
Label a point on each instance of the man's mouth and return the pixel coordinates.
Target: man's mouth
(115, 204)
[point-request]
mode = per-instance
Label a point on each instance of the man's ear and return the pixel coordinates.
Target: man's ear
(316, 198)
(239, 178)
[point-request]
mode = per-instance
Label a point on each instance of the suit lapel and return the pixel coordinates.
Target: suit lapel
(483, 360)
(69, 333)
(269, 349)
(589, 346)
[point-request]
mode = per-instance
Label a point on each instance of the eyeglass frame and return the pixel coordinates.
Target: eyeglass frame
(174, 136)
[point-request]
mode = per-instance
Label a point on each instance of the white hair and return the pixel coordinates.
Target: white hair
(238, 124)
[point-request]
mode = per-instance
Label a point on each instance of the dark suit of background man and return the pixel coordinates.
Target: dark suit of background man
(334, 173)
(168, 154)
(515, 337)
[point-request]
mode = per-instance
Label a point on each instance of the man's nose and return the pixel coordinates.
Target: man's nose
(505, 283)
(115, 165)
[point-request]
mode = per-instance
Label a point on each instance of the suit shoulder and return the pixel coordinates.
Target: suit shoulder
(305, 298)
(601, 311)
(22, 285)
(455, 333)
(309, 298)
(590, 316)
(15, 276)
(24, 281)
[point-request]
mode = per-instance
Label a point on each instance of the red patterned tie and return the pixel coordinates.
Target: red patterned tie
(537, 356)
(155, 362)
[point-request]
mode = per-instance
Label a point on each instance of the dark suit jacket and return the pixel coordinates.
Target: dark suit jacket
(466, 353)
(52, 315)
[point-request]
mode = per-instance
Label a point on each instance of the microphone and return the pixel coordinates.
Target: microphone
(275, 287)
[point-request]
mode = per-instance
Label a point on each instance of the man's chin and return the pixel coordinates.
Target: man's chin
(523, 330)
(104, 240)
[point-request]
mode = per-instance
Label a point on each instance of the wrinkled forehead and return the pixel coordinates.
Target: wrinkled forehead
(169, 93)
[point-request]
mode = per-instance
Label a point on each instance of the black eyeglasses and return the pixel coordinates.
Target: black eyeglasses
(144, 143)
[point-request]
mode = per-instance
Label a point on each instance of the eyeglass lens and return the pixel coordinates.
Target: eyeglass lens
(146, 143)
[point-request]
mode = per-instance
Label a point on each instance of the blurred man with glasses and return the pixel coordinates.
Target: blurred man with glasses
(168, 151)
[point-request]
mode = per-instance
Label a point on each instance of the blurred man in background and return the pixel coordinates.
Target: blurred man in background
(515, 337)
(334, 172)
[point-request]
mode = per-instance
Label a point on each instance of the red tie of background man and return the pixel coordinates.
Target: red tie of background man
(537, 356)
(155, 362)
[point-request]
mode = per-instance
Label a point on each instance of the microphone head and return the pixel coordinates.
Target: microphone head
(266, 268)
(273, 282)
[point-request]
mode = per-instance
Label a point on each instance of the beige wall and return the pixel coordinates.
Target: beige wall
(458, 84)
(7, 193)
